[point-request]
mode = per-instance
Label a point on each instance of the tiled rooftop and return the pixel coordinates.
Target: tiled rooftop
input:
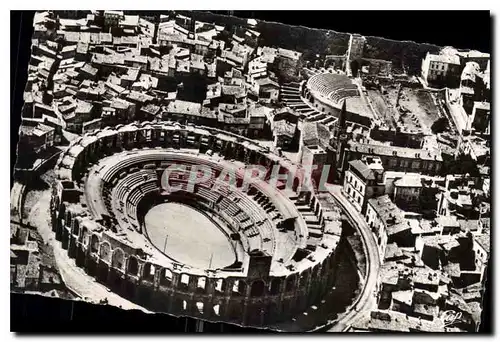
(184, 107)
(402, 152)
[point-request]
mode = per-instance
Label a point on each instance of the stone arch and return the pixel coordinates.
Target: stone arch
(83, 237)
(94, 243)
(105, 252)
(258, 288)
(239, 286)
(201, 284)
(184, 281)
(148, 272)
(219, 285)
(76, 227)
(290, 283)
(132, 266)
(275, 286)
(118, 259)
(62, 210)
(216, 309)
(166, 277)
(67, 218)
(200, 307)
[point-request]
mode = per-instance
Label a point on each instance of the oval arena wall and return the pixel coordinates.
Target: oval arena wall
(116, 253)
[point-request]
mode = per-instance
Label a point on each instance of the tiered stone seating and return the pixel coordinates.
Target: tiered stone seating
(242, 217)
(251, 231)
(246, 224)
(119, 169)
(221, 188)
(207, 194)
(256, 217)
(336, 87)
(130, 181)
(229, 207)
(343, 93)
(261, 220)
(254, 243)
(129, 191)
(315, 230)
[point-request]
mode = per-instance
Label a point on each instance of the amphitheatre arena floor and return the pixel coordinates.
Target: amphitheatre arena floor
(188, 236)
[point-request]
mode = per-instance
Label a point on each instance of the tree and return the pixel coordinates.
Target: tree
(355, 67)
(463, 164)
(440, 125)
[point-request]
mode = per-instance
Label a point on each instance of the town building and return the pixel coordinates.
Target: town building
(113, 18)
(458, 196)
(441, 70)
(480, 118)
(363, 180)
(315, 149)
(35, 137)
(482, 246)
(394, 158)
(388, 223)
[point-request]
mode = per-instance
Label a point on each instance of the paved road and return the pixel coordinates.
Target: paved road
(366, 301)
(73, 276)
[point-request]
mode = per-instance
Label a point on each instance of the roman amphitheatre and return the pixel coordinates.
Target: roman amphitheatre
(254, 256)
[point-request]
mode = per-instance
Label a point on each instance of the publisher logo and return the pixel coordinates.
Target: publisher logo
(450, 317)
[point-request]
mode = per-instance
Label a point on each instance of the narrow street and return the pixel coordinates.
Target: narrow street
(366, 299)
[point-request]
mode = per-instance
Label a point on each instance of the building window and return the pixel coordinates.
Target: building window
(359, 199)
